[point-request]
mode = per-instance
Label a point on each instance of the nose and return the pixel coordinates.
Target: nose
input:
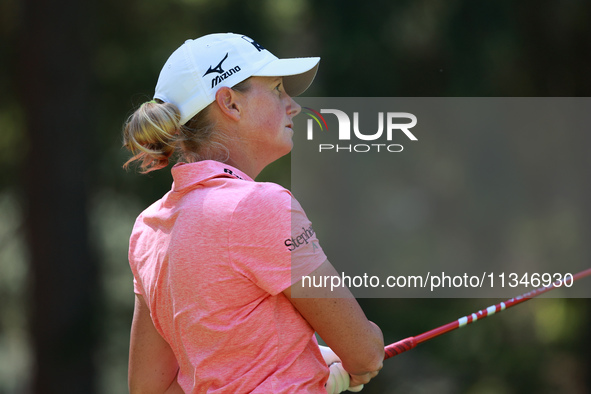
(294, 108)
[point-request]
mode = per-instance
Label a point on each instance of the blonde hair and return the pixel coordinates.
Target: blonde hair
(153, 134)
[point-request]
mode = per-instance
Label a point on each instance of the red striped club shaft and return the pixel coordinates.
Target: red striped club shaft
(403, 345)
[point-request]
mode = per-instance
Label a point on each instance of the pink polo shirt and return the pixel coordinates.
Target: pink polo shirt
(211, 259)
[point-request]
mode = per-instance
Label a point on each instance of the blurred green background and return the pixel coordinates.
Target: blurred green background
(72, 71)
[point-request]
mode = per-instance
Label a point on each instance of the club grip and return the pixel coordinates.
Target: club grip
(399, 347)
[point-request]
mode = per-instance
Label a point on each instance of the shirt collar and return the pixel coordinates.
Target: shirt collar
(188, 174)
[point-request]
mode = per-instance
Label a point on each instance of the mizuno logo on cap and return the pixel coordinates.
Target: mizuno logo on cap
(217, 69)
(223, 74)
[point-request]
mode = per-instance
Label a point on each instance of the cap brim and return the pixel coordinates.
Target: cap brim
(297, 73)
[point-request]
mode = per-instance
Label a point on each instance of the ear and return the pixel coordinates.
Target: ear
(228, 102)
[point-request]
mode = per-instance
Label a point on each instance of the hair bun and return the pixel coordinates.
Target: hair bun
(150, 134)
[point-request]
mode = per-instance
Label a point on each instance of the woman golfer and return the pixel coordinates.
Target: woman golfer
(216, 260)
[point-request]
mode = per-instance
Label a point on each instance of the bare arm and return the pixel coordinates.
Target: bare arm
(339, 320)
(153, 367)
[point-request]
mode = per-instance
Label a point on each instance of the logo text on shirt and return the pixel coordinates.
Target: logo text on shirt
(302, 239)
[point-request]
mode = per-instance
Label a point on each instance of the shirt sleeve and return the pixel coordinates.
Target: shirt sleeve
(136, 287)
(131, 256)
(272, 242)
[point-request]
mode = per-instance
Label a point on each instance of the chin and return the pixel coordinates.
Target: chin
(289, 147)
(286, 150)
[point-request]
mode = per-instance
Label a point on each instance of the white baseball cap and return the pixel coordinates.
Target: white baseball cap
(194, 72)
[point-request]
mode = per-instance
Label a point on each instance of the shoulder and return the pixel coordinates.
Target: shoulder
(269, 191)
(265, 196)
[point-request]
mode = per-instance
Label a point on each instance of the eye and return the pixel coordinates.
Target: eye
(278, 87)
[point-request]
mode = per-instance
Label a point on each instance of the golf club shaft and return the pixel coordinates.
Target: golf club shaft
(408, 343)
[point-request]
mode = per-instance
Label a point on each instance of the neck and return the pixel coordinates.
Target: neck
(249, 167)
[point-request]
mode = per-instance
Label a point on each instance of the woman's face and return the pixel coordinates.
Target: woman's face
(268, 115)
